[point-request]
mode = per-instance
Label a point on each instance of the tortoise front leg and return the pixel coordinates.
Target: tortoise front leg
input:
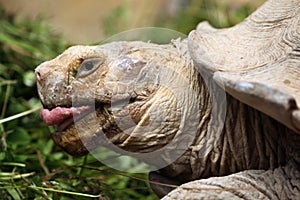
(280, 183)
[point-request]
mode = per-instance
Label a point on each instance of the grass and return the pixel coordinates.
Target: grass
(31, 165)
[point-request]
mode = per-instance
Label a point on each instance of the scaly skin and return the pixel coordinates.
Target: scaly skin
(132, 85)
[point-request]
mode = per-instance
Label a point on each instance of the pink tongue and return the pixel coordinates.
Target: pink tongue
(60, 114)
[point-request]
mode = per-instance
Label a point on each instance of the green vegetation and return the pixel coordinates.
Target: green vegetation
(31, 165)
(218, 13)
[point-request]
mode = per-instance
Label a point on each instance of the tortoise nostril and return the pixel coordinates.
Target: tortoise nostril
(42, 72)
(38, 75)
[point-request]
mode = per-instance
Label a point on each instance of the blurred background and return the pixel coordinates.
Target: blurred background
(87, 21)
(31, 165)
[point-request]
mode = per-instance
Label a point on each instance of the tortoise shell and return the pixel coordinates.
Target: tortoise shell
(257, 60)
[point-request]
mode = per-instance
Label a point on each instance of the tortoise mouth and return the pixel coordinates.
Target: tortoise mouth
(71, 121)
(81, 129)
(64, 117)
(66, 135)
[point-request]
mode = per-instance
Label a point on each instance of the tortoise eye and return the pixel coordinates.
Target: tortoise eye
(88, 66)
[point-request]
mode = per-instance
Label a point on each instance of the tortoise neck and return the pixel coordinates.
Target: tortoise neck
(249, 140)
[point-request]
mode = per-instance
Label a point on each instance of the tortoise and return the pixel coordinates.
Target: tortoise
(218, 109)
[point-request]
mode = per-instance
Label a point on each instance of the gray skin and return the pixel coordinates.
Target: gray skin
(132, 84)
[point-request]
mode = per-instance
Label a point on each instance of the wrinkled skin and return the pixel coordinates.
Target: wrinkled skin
(142, 97)
(140, 86)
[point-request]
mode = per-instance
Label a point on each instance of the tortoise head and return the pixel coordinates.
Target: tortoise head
(136, 96)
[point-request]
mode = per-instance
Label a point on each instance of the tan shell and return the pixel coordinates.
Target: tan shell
(258, 60)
